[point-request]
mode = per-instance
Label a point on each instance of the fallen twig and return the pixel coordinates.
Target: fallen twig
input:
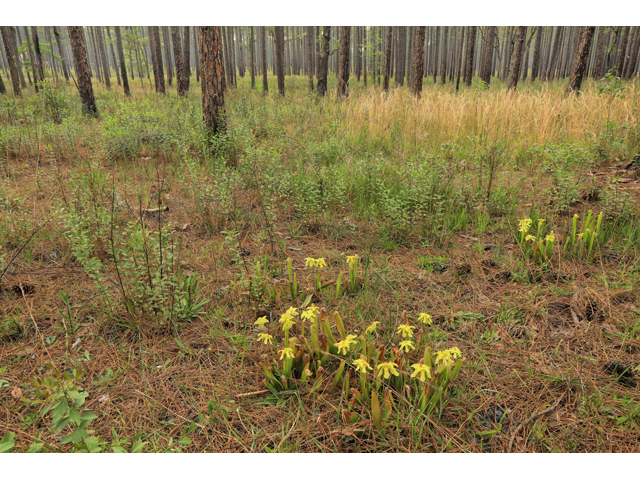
(532, 418)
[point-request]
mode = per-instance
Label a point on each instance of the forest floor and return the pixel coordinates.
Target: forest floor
(550, 346)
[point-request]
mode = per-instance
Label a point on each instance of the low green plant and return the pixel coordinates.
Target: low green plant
(316, 350)
(583, 240)
(539, 246)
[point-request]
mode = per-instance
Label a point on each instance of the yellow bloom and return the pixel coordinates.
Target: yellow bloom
(351, 259)
(447, 357)
(455, 352)
(266, 338)
(287, 352)
(288, 315)
(362, 365)
(540, 222)
(315, 262)
(311, 313)
(384, 369)
(351, 339)
(287, 325)
(421, 371)
(425, 318)
(405, 330)
(551, 237)
(525, 224)
(407, 345)
(529, 238)
(372, 328)
(444, 357)
(261, 322)
(343, 347)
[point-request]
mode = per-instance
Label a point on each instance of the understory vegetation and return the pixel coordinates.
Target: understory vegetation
(454, 274)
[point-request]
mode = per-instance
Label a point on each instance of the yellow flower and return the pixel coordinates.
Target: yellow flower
(343, 347)
(551, 237)
(455, 352)
(315, 262)
(372, 328)
(405, 330)
(351, 259)
(384, 369)
(421, 371)
(261, 322)
(287, 325)
(540, 222)
(287, 352)
(425, 318)
(311, 313)
(362, 365)
(266, 338)
(529, 238)
(351, 339)
(407, 345)
(525, 224)
(446, 357)
(288, 315)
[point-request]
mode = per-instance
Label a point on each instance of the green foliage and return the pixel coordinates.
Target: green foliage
(584, 241)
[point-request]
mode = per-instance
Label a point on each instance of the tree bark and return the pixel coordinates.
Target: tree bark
(516, 58)
(554, 54)
(32, 59)
(123, 66)
(623, 51)
(536, 55)
(279, 34)
(418, 61)
(103, 57)
(387, 59)
(113, 56)
(310, 42)
(263, 39)
(15, 80)
(65, 70)
(177, 53)
(186, 58)
(343, 69)
(459, 67)
(159, 70)
(471, 44)
(252, 46)
(323, 64)
(633, 55)
(81, 66)
(443, 55)
(212, 71)
(167, 53)
(580, 61)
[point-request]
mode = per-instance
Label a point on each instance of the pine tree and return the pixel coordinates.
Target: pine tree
(81, 66)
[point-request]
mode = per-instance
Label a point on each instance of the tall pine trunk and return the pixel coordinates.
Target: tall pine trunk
(15, 80)
(186, 58)
(471, 45)
(212, 71)
(323, 63)
(279, 34)
(580, 61)
(310, 56)
(516, 58)
(418, 61)
(343, 70)
(81, 66)
(123, 66)
(387, 59)
(65, 70)
(252, 47)
(159, 67)
(177, 53)
(263, 40)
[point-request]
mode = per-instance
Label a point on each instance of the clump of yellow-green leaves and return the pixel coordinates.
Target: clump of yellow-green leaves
(370, 375)
(582, 241)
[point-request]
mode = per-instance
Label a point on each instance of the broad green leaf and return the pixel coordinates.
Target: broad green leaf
(7, 443)
(184, 441)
